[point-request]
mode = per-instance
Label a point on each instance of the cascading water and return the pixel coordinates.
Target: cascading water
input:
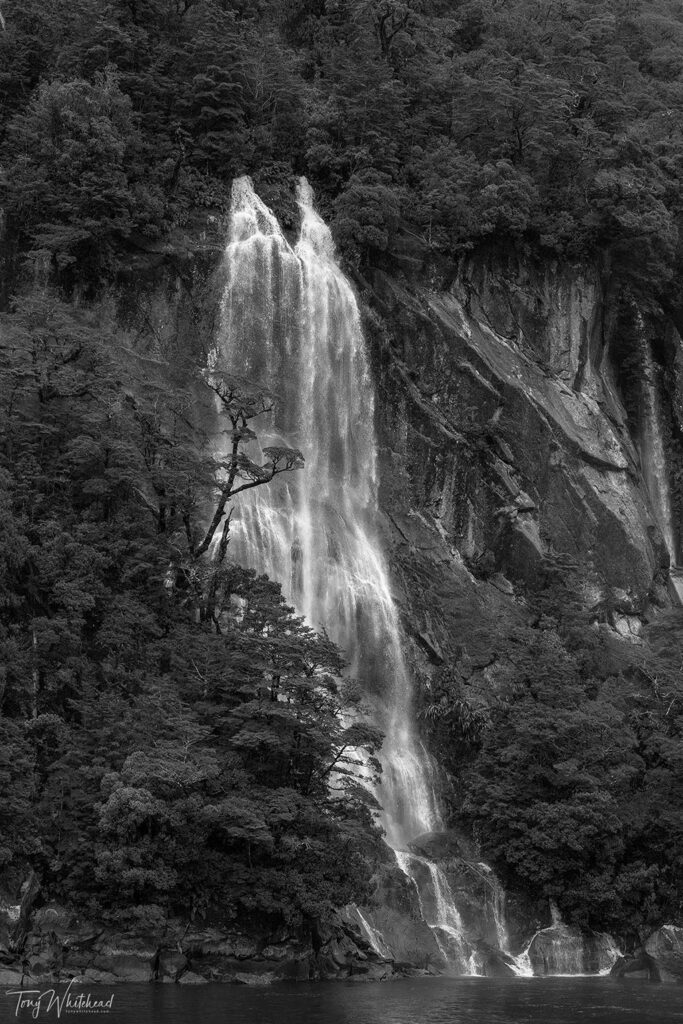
(374, 936)
(438, 909)
(564, 950)
(290, 322)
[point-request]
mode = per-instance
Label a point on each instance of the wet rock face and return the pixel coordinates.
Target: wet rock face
(443, 845)
(166, 304)
(495, 963)
(59, 945)
(665, 947)
(396, 918)
(562, 949)
(659, 959)
(504, 426)
(457, 923)
(638, 965)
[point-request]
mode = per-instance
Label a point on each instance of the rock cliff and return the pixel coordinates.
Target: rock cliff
(514, 417)
(519, 407)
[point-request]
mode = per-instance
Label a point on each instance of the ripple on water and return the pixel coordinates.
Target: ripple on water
(411, 1001)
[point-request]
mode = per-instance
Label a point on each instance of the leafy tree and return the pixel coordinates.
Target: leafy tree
(154, 758)
(570, 781)
(72, 183)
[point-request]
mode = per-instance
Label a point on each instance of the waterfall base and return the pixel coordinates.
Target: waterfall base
(291, 326)
(441, 910)
(561, 950)
(438, 910)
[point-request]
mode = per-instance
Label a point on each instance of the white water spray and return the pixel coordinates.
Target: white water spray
(374, 935)
(439, 911)
(290, 321)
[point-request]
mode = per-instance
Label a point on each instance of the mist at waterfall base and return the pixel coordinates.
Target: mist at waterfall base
(409, 1001)
(290, 322)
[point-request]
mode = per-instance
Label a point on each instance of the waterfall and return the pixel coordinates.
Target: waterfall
(653, 456)
(375, 937)
(563, 950)
(290, 322)
(438, 909)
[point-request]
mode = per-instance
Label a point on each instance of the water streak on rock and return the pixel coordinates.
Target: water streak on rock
(439, 910)
(653, 455)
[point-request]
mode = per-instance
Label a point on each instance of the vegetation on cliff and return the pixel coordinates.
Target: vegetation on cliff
(432, 124)
(567, 767)
(169, 728)
(145, 760)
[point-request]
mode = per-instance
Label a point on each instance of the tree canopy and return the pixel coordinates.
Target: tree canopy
(555, 126)
(172, 733)
(168, 725)
(566, 765)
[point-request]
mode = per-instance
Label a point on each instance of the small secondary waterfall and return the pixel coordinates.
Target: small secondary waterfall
(290, 321)
(438, 909)
(564, 950)
(653, 456)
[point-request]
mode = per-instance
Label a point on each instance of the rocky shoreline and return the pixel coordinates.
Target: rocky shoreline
(55, 945)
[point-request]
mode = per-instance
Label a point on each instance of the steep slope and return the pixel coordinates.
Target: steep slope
(511, 428)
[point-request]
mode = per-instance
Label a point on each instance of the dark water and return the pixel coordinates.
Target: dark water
(420, 1001)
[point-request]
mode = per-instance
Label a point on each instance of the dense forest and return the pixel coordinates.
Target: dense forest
(556, 125)
(169, 727)
(570, 777)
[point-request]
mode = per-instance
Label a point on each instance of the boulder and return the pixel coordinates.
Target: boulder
(562, 949)
(125, 966)
(638, 965)
(665, 947)
(64, 938)
(94, 977)
(190, 978)
(494, 962)
(629, 627)
(267, 978)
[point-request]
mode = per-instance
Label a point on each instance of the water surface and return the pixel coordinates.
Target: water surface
(411, 1001)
